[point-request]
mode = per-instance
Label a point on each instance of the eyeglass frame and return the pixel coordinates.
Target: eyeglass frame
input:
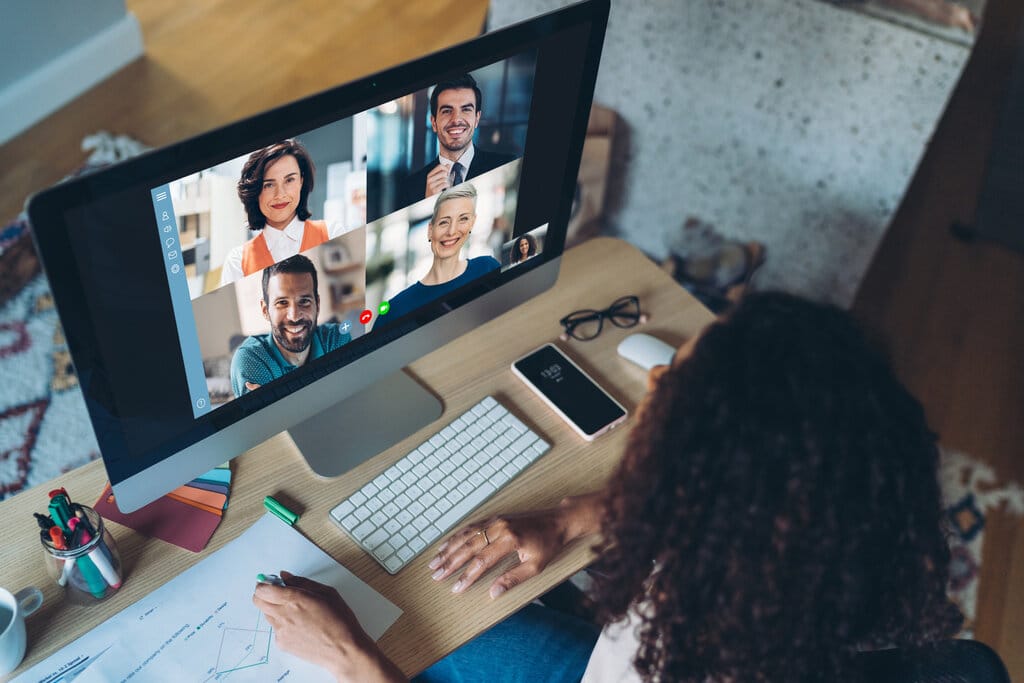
(570, 325)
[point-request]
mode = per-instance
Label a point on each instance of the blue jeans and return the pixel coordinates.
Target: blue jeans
(534, 644)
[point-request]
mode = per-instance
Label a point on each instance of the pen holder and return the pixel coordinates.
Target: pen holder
(92, 570)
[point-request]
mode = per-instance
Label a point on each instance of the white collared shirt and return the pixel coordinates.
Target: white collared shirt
(281, 243)
(466, 159)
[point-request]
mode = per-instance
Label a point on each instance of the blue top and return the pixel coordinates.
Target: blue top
(258, 360)
(418, 294)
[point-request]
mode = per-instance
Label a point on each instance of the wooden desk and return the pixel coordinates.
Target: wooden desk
(434, 621)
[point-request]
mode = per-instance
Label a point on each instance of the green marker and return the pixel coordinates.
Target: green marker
(280, 511)
(272, 579)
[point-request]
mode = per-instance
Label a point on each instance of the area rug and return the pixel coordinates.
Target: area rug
(971, 494)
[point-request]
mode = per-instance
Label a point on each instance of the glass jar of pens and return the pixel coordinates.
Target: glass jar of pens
(81, 555)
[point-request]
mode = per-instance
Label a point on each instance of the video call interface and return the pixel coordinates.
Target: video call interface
(289, 252)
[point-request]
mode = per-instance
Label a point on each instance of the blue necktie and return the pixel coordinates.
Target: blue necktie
(456, 173)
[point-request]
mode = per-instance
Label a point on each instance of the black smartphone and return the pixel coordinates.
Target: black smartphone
(569, 391)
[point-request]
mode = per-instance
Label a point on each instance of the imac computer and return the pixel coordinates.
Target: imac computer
(278, 272)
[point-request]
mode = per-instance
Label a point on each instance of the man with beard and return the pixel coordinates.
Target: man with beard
(290, 304)
(455, 109)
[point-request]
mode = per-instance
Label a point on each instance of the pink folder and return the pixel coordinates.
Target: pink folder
(165, 518)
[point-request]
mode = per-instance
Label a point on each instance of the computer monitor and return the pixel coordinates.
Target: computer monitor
(277, 273)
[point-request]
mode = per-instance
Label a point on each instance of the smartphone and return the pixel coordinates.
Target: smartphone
(569, 391)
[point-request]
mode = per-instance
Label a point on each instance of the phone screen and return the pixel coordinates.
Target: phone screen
(571, 391)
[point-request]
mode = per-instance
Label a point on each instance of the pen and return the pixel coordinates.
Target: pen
(97, 557)
(69, 563)
(280, 511)
(272, 579)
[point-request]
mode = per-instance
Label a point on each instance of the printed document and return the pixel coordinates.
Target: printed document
(202, 625)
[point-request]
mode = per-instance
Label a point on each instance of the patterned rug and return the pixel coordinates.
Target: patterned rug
(45, 430)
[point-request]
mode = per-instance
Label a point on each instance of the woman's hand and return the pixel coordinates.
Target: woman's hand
(311, 621)
(536, 537)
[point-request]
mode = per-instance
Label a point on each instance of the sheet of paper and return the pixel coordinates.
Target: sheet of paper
(202, 625)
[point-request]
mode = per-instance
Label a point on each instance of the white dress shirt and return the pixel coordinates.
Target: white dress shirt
(281, 243)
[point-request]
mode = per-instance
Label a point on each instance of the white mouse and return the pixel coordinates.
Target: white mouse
(646, 351)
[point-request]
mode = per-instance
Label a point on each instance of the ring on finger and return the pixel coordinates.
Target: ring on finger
(483, 532)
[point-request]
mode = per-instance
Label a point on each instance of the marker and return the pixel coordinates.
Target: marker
(97, 556)
(280, 511)
(272, 579)
(60, 510)
(69, 563)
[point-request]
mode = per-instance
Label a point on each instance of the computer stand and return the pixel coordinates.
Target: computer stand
(364, 424)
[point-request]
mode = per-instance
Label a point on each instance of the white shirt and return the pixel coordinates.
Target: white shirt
(466, 159)
(612, 658)
(281, 243)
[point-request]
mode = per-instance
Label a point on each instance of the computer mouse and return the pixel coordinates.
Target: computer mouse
(646, 351)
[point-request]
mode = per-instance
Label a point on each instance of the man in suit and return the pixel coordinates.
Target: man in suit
(455, 109)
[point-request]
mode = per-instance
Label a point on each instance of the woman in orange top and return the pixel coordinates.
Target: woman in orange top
(274, 189)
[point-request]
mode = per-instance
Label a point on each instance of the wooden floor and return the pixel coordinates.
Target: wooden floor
(953, 315)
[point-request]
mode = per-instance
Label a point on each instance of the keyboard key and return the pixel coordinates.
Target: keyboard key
(374, 504)
(383, 550)
(344, 509)
(393, 564)
(363, 530)
(376, 538)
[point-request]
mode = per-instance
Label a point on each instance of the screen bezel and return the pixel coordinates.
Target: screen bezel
(476, 303)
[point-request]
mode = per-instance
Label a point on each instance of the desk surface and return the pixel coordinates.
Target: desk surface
(434, 621)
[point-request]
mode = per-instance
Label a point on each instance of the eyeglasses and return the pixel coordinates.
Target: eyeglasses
(586, 324)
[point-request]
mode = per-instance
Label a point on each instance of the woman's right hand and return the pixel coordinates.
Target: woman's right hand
(536, 537)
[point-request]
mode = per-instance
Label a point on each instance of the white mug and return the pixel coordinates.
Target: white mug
(13, 610)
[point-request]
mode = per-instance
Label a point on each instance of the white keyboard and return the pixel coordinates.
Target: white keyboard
(421, 497)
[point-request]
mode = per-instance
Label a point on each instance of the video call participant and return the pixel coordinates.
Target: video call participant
(776, 511)
(523, 248)
(274, 188)
(291, 305)
(447, 233)
(455, 110)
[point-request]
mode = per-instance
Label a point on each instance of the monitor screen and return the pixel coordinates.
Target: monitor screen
(218, 280)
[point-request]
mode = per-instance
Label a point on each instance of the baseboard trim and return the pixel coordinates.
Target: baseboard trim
(40, 93)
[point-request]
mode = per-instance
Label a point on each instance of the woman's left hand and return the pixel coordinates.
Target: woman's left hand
(311, 621)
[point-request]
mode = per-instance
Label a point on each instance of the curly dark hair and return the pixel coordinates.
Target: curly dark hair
(777, 507)
(514, 256)
(250, 184)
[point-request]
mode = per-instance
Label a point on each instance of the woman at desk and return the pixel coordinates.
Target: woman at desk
(777, 509)
(274, 189)
(449, 230)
